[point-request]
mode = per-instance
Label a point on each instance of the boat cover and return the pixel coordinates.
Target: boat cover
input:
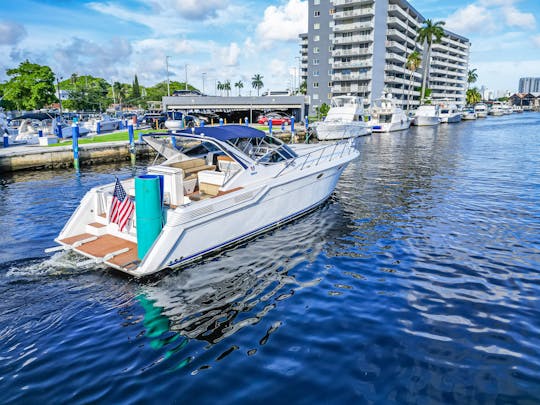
(226, 132)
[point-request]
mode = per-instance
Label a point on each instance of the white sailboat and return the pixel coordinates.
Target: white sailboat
(221, 185)
(387, 116)
(105, 123)
(345, 119)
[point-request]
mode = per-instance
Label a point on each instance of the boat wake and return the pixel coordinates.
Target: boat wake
(61, 263)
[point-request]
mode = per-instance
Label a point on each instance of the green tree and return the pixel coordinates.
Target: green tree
(428, 34)
(220, 87)
(472, 77)
(303, 87)
(31, 86)
(413, 63)
(135, 89)
(257, 83)
(473, 96)
(227, 87)
(86, 93)
(239, 85)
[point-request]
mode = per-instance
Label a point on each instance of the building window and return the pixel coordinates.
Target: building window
(315, 97)
(315, 61)
(316, 13)
(316, 2)
(316, 49)
(329, 84)
(316, 38)
(316, 26)
(316, 72)
(332, 11)
(316, 85)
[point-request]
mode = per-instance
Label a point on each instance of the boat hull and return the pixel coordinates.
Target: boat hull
(182, 242)
(450, 119)
(327, 131)
(426, 121)
(391, 126)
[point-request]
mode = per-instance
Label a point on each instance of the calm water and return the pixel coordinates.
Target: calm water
(417, 282)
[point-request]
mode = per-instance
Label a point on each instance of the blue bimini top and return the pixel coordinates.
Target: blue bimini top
(226, 132)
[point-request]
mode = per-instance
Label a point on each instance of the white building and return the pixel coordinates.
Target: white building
(361, 47)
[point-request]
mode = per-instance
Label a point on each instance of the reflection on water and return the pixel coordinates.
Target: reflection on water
(417, 282)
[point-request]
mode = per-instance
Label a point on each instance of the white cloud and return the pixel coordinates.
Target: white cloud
(536, 40)
(506, 74)
(11, 33)
(228, 56)
(283, 23)
(473, 18)
(516, 18)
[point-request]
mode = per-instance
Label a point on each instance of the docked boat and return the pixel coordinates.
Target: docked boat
(496, 109)
(345, 119)
(426, 114)
(216, 187)
(387, 116)
(481, 110)
(449, 112)
(48, 124)
(101, 123)
(469, 114)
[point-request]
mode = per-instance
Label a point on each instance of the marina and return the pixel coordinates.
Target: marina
(417, 281)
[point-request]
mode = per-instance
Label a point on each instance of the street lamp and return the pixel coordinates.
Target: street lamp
(168, 83)
(186, 75)
(203, 77)
(59, 95)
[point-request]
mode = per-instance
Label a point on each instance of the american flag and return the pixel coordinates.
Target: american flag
(121, 207)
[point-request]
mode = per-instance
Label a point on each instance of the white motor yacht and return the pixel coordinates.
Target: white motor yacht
(469, 114)
(104, 121)
(345, 119)
(449, 112)
(427, 114)
(481, 110)
(387, 116)
(496, 109)
(220, 186)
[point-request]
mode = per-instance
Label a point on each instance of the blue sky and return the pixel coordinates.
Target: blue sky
(234, 39)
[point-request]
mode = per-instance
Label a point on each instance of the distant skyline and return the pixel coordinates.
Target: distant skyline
(235, 39)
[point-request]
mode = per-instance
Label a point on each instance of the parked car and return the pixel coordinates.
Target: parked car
(277, 119)
(151, 119)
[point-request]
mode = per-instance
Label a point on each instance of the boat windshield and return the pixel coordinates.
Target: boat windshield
(264, 150)
(342, 101)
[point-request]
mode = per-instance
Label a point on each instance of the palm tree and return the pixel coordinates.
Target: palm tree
(239, 84)
(428, 34)
(257, 83)
(227, 87)
(473, 96)
(413, 63)
(220, 87)
(472, 77)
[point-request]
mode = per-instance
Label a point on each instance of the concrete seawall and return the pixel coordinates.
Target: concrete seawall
(39, 157)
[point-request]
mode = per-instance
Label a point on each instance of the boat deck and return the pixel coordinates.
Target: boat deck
(101, 246)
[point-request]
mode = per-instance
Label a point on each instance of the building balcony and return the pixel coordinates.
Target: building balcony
(359, 12)
(353, 26)
(351, 2)
(406, 24)
(391, 68)
(392, 34)
(394, 9)
(355, 39)
(349, 89)
(338, 77)
(352, 52)
(394, 45)
(351, 65)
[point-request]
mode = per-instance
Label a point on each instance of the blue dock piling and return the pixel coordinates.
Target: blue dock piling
(283, 126)
(131, 143)
(292, 129)
(246, 121)
(40, 133)
(98, 128)
(270, 127)
(221, 122)
(6, 140)
(202, 124)
(59, 130)
(75, 135)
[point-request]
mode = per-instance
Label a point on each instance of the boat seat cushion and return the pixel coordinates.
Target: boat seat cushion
(196, 169)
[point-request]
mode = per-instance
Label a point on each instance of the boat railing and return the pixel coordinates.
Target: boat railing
(328, 152)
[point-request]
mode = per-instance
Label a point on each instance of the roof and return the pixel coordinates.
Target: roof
(226, 132)
(37, 116)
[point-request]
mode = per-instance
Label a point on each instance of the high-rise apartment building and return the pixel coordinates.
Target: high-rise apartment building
(529, 85)
(361, 47)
